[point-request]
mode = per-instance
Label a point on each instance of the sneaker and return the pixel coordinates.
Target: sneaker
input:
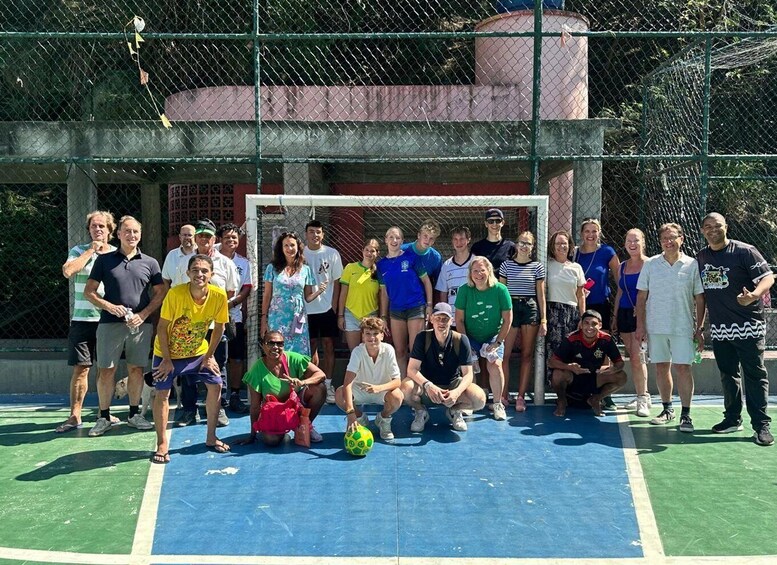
(186, 418)
(467, 412)
(100, 427)
(764, 436)
(643, 406)
(222, 419)
(728, 426)
(237, 405)
(384, 426)
(520, 404)
(456, 419)
(140, 423)
(664, 417)
(609, 404)
(499, 412)
(633, 404)
(364, 420)
(315, 437)
(686, 424)
(419, 422)
(330, 394)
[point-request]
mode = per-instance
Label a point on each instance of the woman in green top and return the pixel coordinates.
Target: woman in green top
(275, 373)
(484, 313)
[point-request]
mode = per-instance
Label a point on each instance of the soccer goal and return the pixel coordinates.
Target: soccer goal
(350, 220)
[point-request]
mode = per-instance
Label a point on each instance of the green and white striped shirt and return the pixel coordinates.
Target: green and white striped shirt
(83, 310)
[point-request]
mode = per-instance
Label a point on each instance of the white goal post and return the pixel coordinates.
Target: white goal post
(349, 220)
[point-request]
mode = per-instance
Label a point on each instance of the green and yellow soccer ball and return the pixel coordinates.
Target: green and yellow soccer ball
(359, 442)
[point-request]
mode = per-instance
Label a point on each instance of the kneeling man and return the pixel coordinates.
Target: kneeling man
(180, 349)
(372, 377)
(577, 366)
(440, 372)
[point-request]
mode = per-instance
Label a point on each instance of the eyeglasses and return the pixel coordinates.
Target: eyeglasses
(440, 358)
(493, 221)
(274, 343)
(525, 244)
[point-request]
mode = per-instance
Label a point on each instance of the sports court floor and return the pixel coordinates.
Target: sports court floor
(532, 489)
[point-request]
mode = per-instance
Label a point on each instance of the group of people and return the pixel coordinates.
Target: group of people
(489, 297)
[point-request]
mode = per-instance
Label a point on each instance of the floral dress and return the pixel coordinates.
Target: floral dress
(287, 307)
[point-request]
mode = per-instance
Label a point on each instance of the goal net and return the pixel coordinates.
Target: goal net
(350, 220)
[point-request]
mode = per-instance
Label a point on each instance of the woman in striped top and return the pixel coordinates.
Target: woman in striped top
(524, 277)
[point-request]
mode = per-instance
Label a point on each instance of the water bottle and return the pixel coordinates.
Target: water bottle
(697, 353)
(128, 316)
(643, 357)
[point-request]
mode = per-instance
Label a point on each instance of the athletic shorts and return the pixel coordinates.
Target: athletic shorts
(236, 348)
(82, 343)
(409, 314)
(664, 348)
(426, 401)
(188, 368)
(525, 311)
(627, 322)
(113, 338)
(361, 397)
(323, 325)
(582, 386)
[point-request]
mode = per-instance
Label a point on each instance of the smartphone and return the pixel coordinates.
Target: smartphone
(589, 284)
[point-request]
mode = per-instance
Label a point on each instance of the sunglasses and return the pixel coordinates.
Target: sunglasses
(494, 221)
(274, 343)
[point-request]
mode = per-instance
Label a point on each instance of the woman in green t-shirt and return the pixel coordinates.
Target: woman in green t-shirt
(275, 373)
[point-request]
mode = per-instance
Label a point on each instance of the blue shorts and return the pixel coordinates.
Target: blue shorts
(189, 368)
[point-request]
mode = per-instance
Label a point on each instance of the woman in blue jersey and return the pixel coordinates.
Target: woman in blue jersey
(405, 295)
(599, 262)
(524, 277)
(625, 318)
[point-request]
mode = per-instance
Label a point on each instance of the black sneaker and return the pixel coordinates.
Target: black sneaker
(728, 426)
(236, 405)
(186, 418)
(764, 436)
(609, 404)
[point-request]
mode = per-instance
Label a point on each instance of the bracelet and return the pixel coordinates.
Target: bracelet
(544, 321)
(349, 412)
(423, 386)
(341, 315)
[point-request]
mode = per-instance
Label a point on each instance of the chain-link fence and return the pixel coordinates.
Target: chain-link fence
(635, 112)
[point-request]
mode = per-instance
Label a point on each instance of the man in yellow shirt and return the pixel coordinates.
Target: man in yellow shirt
(180, 349)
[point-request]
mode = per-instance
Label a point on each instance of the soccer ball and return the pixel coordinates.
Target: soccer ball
(359, 442)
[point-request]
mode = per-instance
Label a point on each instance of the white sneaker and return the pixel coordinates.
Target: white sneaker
(643, 408)
(100, 427)
(384, 426)
(633, 404)
(456, 419)
(467, 412)
(315, 437)
(499, 411)
(364, 420)
(419, 422)
(330, 393)
(140, 423)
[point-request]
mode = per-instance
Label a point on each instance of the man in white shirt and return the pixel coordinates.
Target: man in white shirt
(178, 257)
(327, 268)
(372, 377)
(454, 270)
(230, 235)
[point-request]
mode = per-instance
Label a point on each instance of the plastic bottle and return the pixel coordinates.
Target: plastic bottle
(697, 353)
(128, 316)
(643, 348)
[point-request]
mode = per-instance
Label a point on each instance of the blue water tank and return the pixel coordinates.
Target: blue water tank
(503, 6)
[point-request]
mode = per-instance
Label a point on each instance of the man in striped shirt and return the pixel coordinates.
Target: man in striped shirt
(82, 337)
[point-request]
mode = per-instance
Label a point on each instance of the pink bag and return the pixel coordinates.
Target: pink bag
(276, 417)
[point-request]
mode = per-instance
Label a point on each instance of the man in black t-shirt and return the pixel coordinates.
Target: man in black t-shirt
(493, 247)
(440, 373)
(577, 366)
(735, 276)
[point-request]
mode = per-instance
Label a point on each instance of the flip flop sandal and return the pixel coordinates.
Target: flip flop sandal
(68, 427)
(160, 458)
(219, 447)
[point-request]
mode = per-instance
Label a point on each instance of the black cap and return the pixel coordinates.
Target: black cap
(494, 213)
(204, 226)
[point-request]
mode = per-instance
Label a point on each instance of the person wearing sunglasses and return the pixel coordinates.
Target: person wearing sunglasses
(277, 373)
(494, 247)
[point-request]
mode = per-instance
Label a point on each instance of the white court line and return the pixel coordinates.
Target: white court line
(652, 548)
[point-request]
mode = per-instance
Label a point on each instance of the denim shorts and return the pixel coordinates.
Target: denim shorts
(525, 311)
(409, 314)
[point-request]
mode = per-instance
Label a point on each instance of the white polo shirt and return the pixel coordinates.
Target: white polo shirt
(377, 372)
(174, 267)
